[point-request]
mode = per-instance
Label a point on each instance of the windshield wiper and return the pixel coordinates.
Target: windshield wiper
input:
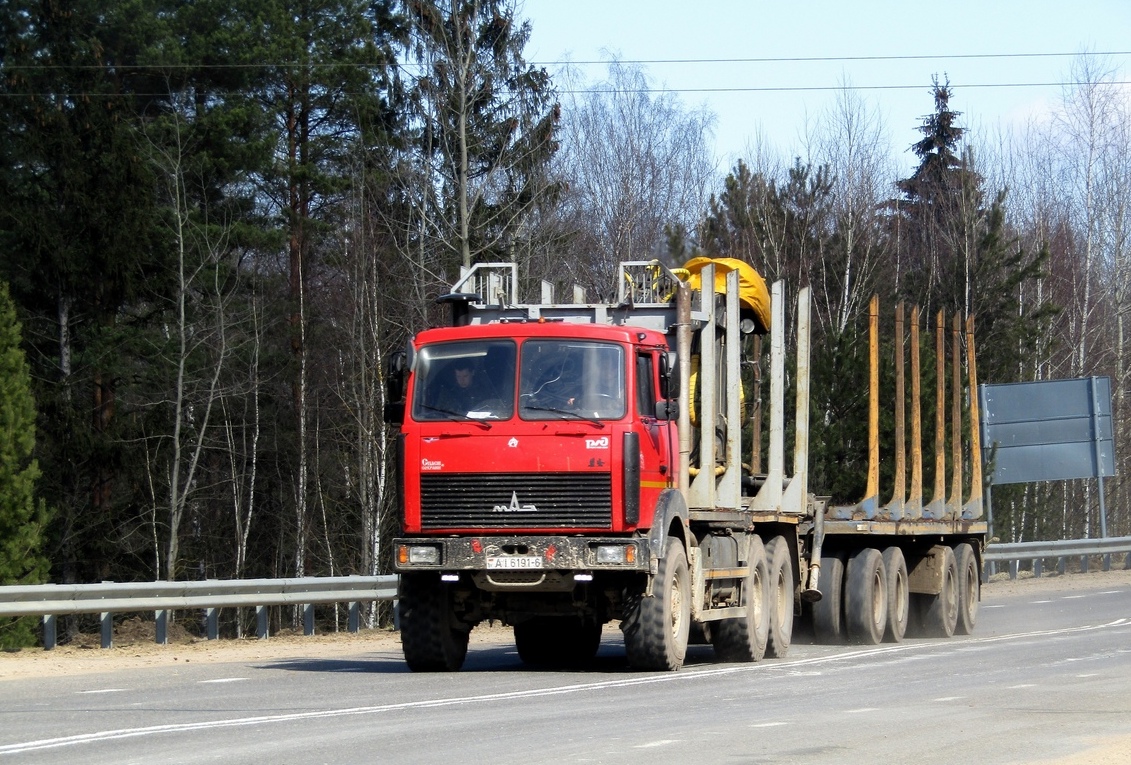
(566, 414)
(459, 416)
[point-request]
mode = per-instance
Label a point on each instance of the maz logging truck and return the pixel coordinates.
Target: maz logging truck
(565, 465)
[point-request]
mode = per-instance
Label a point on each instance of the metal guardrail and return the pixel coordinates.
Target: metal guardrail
(1012, 552)
(108, 598)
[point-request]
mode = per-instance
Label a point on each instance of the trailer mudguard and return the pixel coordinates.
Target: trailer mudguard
(669, 519)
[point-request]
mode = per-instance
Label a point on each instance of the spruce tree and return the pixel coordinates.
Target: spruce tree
(22, 517)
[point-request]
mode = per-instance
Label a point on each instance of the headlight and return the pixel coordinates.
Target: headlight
(418, 555)
(616, 554)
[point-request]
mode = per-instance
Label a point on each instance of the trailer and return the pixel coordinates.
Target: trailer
(565, 465)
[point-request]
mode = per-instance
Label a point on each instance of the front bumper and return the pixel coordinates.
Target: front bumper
(521, 553)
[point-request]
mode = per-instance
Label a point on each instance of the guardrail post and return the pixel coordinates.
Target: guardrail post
(261, 622)
(1127, 562)
(1084, 563)
(212, 617)
(162, 627)
(1061, 565)
(308, 619)
(355, 617)
(107, 629)
(50, 632)
(1107, 561)
(1037, 568)
(1013, 569)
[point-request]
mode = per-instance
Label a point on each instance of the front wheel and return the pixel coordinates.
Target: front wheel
(430, 639)
(656, 628)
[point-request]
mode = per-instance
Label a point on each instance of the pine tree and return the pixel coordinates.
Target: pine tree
(22, 516)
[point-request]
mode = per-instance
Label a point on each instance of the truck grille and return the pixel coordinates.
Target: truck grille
(527, 500)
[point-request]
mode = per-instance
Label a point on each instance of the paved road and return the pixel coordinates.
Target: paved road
(1047, 674)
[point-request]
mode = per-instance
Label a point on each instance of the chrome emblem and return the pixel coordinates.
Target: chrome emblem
(514, 507)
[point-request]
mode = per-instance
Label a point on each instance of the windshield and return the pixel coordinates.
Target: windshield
(466, 380)
(569, 379)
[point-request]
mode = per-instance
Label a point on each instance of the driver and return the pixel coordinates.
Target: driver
(465, 393)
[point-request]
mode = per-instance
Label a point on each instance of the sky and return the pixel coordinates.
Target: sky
(953, 39)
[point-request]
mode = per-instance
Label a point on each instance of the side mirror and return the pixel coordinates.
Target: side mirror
(395, 378)
(669, 375)
(667, 410)
(394, 413)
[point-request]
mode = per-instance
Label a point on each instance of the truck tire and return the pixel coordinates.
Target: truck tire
(745, 638)
(781, 597)
(557, 641)
(866, 598)
(969, 588)
(656, 628)
(939, 612)
(431, 643)
(828, 612)
(899, 600)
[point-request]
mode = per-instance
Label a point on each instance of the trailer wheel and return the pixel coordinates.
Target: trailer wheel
(828, 612)
(656, 629)
(969, 588)
(899, 601)
(866, 597)
(781, 597)
(939, 612)
(557, 641)
(430, 641)
(745, 638)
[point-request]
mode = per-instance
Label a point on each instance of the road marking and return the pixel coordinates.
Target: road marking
(1110, 592)
(1038, 602)
(860, 711)
(997, 605)
(695, 675)
(106, 690)
(1089, 674)
(768, 725)
(949, 698)
(652, 744)
(1022, 685)
(1072, 597)
(223, 680)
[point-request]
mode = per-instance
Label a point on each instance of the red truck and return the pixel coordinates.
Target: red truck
(555, 474)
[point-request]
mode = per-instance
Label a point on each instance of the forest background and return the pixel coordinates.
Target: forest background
(219, 218)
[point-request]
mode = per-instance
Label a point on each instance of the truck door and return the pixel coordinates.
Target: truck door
(657, 439)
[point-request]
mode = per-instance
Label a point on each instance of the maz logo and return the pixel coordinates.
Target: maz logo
(597, 443)
(514, 507)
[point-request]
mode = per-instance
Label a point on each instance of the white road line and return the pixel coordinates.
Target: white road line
(223, 680)
(106, 690)
(996, 605)
(653, 744)
(860, 711)
(768, 724)
(1038, 602)
(627, 682)
(948, 698)
(1089, 674)
(1072, 597)
(1022, 685)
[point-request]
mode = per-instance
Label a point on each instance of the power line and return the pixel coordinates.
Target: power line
(809, 59)
(584, 62)
(655, 91)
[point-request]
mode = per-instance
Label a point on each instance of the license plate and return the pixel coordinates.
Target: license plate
(514, 561)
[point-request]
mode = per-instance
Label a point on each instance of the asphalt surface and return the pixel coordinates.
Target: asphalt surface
(1046, 675)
